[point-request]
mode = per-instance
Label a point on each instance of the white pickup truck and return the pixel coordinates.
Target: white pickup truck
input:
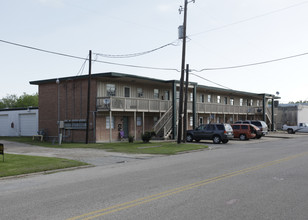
(302, 127)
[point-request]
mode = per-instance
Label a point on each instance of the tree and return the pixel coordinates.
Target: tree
(23, 101)
(9, 101)
(298, 102)
(26, 100)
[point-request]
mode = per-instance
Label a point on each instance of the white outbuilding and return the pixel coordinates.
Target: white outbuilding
(19, 122)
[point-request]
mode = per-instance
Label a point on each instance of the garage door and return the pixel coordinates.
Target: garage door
(28, 124)
(4, 125)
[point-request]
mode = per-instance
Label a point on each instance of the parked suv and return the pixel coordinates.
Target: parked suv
(260, 124)
(243, 131)
(216, 132)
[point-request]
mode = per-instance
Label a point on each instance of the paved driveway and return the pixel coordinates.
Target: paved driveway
(92, 156)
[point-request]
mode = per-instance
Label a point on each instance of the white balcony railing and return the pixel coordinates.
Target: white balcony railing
(157, 105)
(132, 104)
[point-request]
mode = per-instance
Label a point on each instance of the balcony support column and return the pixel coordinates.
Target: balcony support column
(174, 111)
(142, 122)
(135, 124)
(264, 108)
(195, 107)
(273, 123)
(110, 128)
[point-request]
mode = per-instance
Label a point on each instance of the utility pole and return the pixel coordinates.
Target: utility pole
(89, 95)
(185, 104)
(180, 124)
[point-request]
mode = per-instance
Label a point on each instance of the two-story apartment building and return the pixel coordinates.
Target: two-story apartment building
(135, 104)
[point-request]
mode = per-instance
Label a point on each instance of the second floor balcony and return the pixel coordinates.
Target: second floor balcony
(132, 104)
(157, 105)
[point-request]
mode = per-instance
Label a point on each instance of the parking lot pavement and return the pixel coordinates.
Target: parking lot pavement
(95, 157)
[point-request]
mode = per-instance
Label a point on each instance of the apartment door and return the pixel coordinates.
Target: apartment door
(125, 126)
(127, 92)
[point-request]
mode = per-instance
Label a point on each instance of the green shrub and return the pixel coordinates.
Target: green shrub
(130, 139)
(147, 136)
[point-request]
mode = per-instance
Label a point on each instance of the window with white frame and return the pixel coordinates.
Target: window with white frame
(139, 92)
(139, 121)
(111, 90)
(202, 98)
(226, 100)
(231, 101)
(209, 98)
(241, 102)
(108, 122)
(191, 121)
(200, 120)
(218, 99)
(251, 102)
(191, 97)
(166, 96)
(258, 102)
(155, 119)
(208, 120)
(156, 93)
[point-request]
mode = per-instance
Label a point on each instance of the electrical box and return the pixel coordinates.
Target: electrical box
(181, 31)
(61, 124)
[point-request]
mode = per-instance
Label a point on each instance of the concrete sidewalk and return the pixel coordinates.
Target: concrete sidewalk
(95, 157)
(284, 134)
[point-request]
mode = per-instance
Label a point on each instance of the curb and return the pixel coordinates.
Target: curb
(45, 172)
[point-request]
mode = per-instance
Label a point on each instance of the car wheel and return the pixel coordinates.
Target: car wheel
(242, 137)
(189, 138)
(197, 140)
(225, 141)
(216, 140)
(290, 131)
(258, 136)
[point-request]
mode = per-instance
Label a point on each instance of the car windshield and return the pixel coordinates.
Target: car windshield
(257, 123)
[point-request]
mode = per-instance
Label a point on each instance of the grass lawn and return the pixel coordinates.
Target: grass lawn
(138, 147)
(20, 164)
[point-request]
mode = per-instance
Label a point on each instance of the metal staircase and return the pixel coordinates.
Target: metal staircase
(163, 126)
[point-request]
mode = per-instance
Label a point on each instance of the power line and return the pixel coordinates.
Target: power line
(210, 81)
(154, 68)
(42, 50)
(82, 58)
(80, 72)
(174, 43)
(251, 64)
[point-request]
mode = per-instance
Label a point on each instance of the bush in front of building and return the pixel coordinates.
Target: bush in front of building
(130, 139)
(147, 136)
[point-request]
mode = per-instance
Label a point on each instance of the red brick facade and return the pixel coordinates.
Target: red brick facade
(72, 99)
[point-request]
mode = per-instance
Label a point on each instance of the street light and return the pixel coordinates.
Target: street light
(59, 134)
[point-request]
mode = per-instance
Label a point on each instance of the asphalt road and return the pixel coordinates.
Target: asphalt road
(240, 180)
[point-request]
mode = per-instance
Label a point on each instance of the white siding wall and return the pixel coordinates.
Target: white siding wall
(147, 89)
(4, 124)
(19, 122)
(302, 113)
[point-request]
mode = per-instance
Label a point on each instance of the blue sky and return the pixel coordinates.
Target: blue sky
(221, 33)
